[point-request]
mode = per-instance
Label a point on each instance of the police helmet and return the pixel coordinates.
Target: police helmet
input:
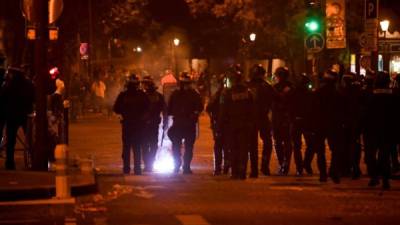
(15, 72)
(257, 71)
(382, 80)
(304, 80)
(132, 81)
(349, 76)
(185, 78)
(282, 73)
(148, 80)
(235, 76)
(330, 75)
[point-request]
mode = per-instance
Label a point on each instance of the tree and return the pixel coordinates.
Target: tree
(278, 26)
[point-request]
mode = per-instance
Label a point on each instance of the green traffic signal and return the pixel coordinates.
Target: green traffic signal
(312, 26)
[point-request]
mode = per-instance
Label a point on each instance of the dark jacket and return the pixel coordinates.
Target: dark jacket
(157, 105)
(382, 115)
(238, 108)
(18, 97)
(352, 107)
(264, 95)
(185, 105)
(132, 105)
(213, 109)
(329, 108)
(302, 107)
(282, 104)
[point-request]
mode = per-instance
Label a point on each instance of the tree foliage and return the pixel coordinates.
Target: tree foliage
(278, 25)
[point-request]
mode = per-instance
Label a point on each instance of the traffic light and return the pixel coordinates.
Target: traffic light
(312, 25)
(313, 21)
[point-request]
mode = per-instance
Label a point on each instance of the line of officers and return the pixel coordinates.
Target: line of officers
(345, 112)
(141, 110)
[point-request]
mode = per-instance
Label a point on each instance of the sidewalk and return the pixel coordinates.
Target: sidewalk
(23, 185)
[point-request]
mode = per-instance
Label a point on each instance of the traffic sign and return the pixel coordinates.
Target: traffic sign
(314, 43)
(363, 40)
(55, 10)
(371, 9)
(371, 26)
(365, 62)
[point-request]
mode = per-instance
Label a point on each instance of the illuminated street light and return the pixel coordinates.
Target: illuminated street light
(253, 37)
(384, 25)
(176, 41)
(139, 49)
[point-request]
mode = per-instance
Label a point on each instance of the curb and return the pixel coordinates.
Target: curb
(47, 192)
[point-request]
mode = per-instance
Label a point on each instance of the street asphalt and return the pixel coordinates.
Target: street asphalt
(203, 199)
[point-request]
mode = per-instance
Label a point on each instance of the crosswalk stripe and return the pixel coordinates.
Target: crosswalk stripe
(192, 220)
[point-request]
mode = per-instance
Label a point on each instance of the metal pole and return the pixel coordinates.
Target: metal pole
(90, 39)
(175, 61)
(40, 153)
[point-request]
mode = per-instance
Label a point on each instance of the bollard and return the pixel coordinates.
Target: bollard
(63, 188)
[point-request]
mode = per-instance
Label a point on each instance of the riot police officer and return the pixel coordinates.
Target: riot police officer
(282, 118)
(329, 121)
(351, 93)
(153, 119)
(184, 106)
(264, 95)
(132, 104)
(302, 117)
(238, 112)
(221, 150)
(380, 131)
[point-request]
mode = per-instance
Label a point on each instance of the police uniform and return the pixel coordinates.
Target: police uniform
(238, 112)
(302, 117)
(282, 119)
(132, 104)
(264, 95)
(380, 132)
(351, 95)
(221, 150)
(328, 123)
(153, 119)
(185, 106)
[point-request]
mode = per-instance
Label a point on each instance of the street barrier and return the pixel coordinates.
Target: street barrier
(63, 187)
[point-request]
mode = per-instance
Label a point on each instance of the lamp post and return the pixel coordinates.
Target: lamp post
(249, 45)
(384, 27)
(176, 42)
(252, 37)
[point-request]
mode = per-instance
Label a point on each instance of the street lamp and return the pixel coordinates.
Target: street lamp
(384, 27)
(176, 41)
(252, 37)
(138, 49)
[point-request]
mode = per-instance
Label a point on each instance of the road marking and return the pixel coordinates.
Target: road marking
(192, 220)
(70, 221)
(287, 188)
(18, 221)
